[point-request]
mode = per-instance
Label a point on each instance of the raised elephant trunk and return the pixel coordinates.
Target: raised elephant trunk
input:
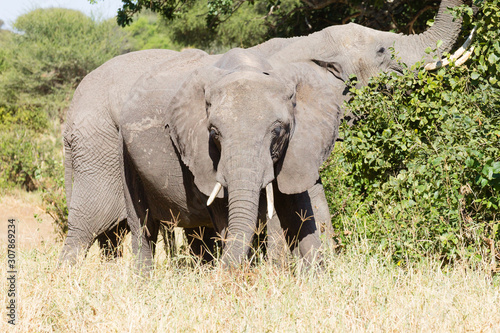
(412, 48)
(352, 49)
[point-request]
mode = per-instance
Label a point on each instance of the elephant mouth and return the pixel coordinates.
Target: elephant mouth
(269, 197)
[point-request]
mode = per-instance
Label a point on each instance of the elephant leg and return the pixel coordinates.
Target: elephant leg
(144, 232)
(90, 215)
(219, 215)
(110, 241)
(322, 215)
(277, 247)
(95, 194)
(296, 215)
(168, 240)
(144, 229)
(144, 238)
(202, 242)
(76, 244)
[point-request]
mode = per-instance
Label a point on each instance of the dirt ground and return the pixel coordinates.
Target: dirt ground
(31, 231)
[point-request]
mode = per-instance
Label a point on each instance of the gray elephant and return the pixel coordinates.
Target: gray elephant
(94, 190)
(93, 143)
(240, 124)
(93, 161)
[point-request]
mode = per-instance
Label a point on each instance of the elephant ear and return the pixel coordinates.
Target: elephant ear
(317, 119)
(187, 124)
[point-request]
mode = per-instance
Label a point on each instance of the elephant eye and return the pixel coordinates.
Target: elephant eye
(214, 137)
(277, 131)
(214, 133)
(279, 140)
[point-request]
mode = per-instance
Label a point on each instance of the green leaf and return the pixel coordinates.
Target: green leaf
(492, 58)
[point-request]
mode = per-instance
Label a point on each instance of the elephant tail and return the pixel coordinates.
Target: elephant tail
(68, 171)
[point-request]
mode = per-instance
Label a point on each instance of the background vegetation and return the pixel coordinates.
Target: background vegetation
(420, 173)
(216, 25)
(418, 176)
(281, 18)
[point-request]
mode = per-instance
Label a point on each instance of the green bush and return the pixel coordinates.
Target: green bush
(27, 158)
(40, 66)
(251, 24)
(148, 31)
(51, 53)
(423, 167)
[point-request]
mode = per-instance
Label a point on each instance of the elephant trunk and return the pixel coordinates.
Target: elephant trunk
(244, 178)
(243, 198)
(412, 48)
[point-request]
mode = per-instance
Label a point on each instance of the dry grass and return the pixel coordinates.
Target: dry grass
(357, 292)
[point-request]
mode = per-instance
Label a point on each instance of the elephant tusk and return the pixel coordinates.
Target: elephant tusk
(456, 56)
(465, 57)
(464, 47)
(214, 193)
(270, 200)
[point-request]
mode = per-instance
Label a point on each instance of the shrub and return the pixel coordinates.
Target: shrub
(39, 68)
(423, 166)
(148, 31)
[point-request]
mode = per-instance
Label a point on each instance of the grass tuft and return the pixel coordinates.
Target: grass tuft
(357, 291)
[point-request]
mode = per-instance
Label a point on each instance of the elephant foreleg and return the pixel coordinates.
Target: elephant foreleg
(296, 215)
(144, 229)
(277, 247)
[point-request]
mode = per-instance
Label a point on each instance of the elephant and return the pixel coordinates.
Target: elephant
(108, 186)
(94, 189)
(240, 124)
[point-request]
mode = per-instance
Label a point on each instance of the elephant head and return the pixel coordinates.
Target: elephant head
(244, 129)
(352, 49)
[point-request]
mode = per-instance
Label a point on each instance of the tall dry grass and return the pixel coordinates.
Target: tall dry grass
(356, 292)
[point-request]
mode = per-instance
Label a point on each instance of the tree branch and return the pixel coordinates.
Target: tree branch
(410, 24)
(320, 4)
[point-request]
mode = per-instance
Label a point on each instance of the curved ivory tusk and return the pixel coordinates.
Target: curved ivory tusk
(436, 65)
(464, 47)
(270, 200)
(464, 58)
(214, 193)
(457, 55)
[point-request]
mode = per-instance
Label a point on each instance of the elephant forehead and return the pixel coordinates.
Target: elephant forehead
(349, 36)
(248, 111)
(247, 88)
(249, 95)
